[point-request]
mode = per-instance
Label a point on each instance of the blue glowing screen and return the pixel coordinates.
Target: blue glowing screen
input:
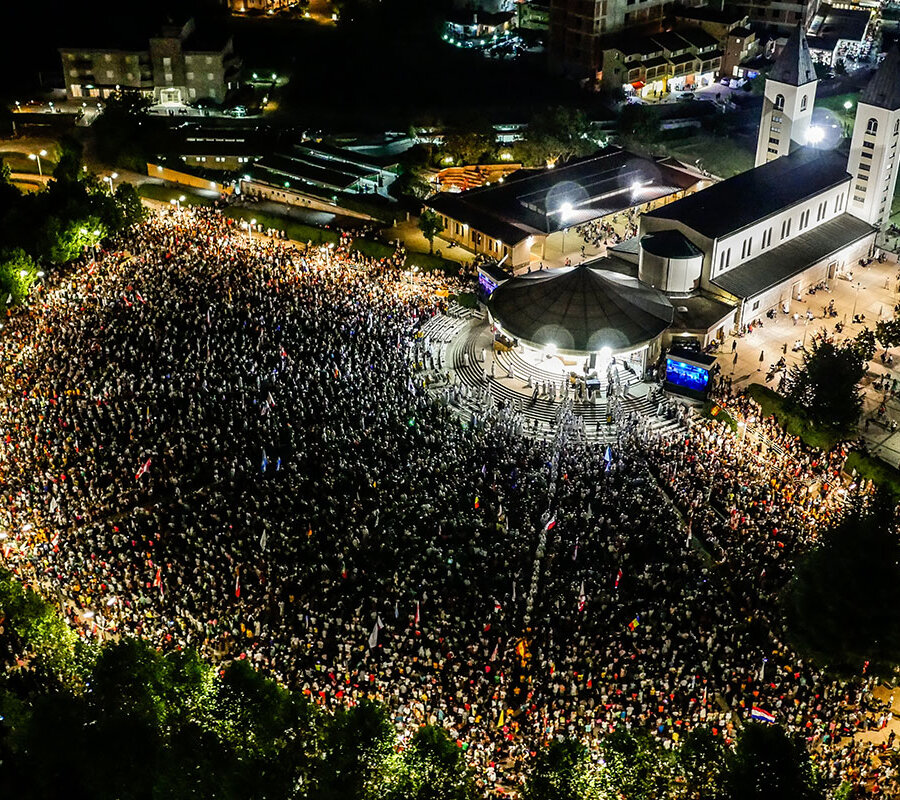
(687, 376)
(487, 285)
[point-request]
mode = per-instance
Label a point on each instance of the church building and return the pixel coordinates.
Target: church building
(800, 216)
(704, 265)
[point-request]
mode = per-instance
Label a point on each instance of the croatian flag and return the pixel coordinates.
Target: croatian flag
(761, 715)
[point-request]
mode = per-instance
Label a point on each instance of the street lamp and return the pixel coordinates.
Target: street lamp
(250, 230)
(37, 157)
(109, 179)
(856, 299)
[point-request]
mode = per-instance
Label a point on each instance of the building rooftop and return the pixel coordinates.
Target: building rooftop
(834, 25)
(793, 256)
(733, 204)
(883, 90)
(581, 309)
(726, 15)
(794, 65)
(542, 201)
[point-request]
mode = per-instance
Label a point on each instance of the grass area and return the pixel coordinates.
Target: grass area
(165, 194)
(874, 469)
(20, 162)
(298, 231)
(835, 104)
(794, 421)
(373, 249)
(720, 415)
(429, 263)
(466, 299)
(720, 156)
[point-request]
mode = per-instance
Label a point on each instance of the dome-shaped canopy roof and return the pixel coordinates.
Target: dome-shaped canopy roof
(581, 310)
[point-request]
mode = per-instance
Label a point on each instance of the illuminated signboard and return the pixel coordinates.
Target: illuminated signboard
(687, 376)
(487, 285)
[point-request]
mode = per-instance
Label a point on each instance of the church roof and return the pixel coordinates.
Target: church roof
(884, 88)
(794, 65)
(581, 309)
(731, 205)
(778, 264)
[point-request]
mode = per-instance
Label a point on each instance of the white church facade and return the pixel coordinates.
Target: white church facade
(802, 215)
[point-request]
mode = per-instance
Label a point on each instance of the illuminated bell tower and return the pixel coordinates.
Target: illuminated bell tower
(788, 102)
(873, 149)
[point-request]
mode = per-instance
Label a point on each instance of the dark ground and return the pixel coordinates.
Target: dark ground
(387, 69)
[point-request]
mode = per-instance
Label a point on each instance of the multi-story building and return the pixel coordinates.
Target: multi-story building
(244, 6)
(730, 26)
(662, 62)
(179, 66)
(577, 28)
(781, 15)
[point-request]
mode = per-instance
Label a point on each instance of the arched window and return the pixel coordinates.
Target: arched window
(803, 103)
(872, 125)
(779, 102)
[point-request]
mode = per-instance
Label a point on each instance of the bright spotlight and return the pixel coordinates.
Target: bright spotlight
(815, 135)
(605, 353)
(635, 186)
(565, 210)
(848, 104)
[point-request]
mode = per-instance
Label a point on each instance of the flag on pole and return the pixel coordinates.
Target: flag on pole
(635, 622)
(582, 598)
(157, 581)
(761, 715)
(551, 524)
(373, 637)
(417, 613)
(618, 578)
(237, 582)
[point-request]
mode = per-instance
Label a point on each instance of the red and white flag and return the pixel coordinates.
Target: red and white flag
(157, 581)
(618, 578)
(417, 613)
(237, 583)
(144, 467)
(582, 598)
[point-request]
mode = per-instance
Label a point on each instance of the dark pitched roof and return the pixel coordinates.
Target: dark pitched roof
(884, 88)
(581, 309)
(531, 201)
(792, 257)
(740, 201)
(794, 65)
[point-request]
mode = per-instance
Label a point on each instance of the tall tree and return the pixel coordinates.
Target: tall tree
(563, 771)
(768, 764)
(825, 384)
(431, 225)
(843, 604)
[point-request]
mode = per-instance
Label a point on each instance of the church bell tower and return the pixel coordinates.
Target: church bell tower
(873, 149)
(788, 102)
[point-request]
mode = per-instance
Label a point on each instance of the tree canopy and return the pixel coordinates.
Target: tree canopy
(843, 604)
(825, 384)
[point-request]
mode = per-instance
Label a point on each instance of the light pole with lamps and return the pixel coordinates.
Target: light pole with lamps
(109, 179)
(250, 230)
(37, 157)
(856, 299)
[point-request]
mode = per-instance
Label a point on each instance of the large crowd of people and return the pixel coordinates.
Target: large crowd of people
(223, 441)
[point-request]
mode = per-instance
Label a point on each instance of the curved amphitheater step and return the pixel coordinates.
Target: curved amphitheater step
(456, 344)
